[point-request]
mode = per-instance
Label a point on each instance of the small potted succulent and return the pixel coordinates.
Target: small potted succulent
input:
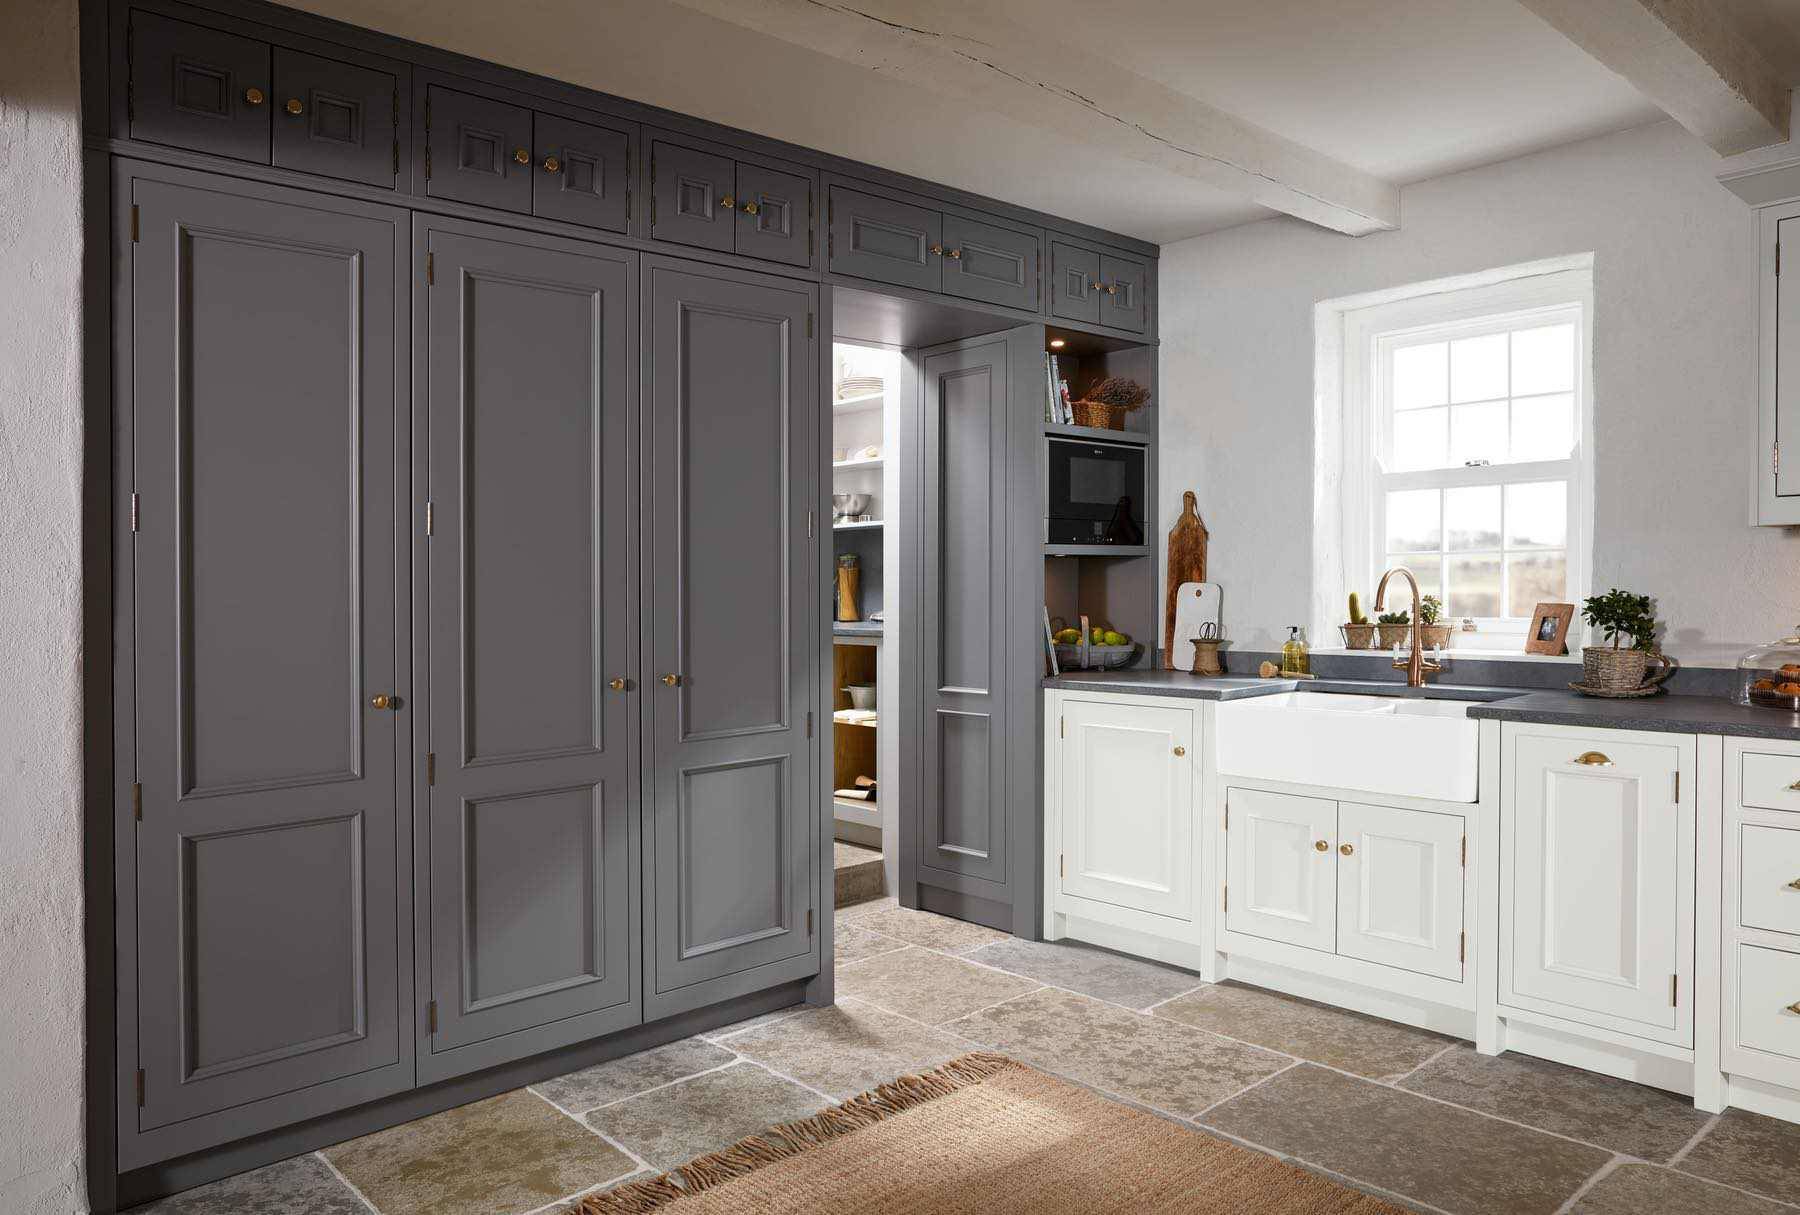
(1615, 668)
(1393, 627)
(1359, 631)
(1433, 635)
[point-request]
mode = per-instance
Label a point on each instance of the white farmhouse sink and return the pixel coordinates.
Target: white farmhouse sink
(1384, 744)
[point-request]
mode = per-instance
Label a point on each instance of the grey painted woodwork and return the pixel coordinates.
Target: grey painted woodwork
(266, 911)
(1124, 292)
(774, 218)
(1075, 282)
(478, 150)
(199, 88)
(334, 119)
(532, 603)
(693, 200)
(992, 264)
(731, 403)
(885, 240)
(591, 178)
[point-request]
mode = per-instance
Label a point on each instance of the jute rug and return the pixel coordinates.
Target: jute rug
(983, 1135)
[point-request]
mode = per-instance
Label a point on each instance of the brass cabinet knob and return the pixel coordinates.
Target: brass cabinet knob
(253, 96)
(671, 680)
(1179, 751)
(937, 250)
(1593, 759)
(1794, 885)
(552, 165)
(1321, 846)
(751, 208)
(728, 202)
(1112, 288)
(619, 684)
(521, 156)
(384, 701)
(295, 106)
(1094, 286)
(1347, 849)
(954, 255)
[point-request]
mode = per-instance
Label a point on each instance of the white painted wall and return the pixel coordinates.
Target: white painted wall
(1674, 377)
(40, 614)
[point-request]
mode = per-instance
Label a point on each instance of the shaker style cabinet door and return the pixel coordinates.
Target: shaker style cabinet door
(1124, 286)
(334, 119)
(199, 88)
(263, 455)
(1400, 888)
(1281, 870)
(583, 173)
(992, 264)
(884, 240)
(477, 150)
(532, 819)
(774, 219)
(693, 199)
(1074, 282)
(733, 649)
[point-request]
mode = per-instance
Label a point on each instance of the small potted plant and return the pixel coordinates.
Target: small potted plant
(1433, 635)
(1615, 668)
(1359, 632)
(1393, 628)
(1106, 403)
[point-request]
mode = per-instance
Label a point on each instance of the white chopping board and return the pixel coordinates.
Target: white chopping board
(1196, 604)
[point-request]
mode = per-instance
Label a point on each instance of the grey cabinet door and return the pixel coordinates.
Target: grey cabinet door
(1123, 294)
(888, 241)
(334, 119)
(199, 88)
(692, 199)
(774, 220)
(1074, 282)
(263, 454)
(732, 655)
(477, 150)
(532, 817)
(962, 817)
(994, 265)
(591, 175)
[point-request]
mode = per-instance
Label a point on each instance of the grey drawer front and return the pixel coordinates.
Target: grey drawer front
(994, 265)
(593, 169)
(690, 189)
(474, 148)
(1074, 274)
(890, 242)
(197, 88)
(780, 229)
(344, 126)
(1124, 286)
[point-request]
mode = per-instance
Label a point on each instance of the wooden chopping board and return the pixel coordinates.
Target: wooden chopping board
(1187, 563)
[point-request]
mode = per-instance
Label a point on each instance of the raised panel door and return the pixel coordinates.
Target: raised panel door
(1786, 340)
(199, 88)
(532, 815)
(477, 150)
(692, 199)
(583, 173)
(263, 458)
(1124, 286)
(732, 644)
(885, 240)
(1400, 888)
(1128, 805)
(1074, 282)
(774, 219)
(335, 119)
(992, 264)
(1281, 871)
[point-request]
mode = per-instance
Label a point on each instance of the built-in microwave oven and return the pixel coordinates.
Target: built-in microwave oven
(1095, 492)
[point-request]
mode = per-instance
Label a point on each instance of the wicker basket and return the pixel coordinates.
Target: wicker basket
(1096, 657)
(1605, 669)
(1434, 636)
(1098, 414)
(1358, 636)
(1391, 635)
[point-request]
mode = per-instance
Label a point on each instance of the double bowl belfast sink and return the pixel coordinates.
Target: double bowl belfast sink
(1381, 744)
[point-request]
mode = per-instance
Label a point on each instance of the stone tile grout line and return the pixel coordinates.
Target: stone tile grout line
(1694, 1142)
(591, 1129)
(350, 1185)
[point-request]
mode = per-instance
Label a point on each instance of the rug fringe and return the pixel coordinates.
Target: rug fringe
(790, 1139)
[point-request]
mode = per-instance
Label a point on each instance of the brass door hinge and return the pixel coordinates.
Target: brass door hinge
(1678, 787)
(140, 1088)
(430, 270)
(1777, 259)
(431, 767)
(809, 723)
(1465, 852)
(809, 921)
(809, 525)
(1228, 812)
(1228, 896)
(1674, 991)
(136, 503)
(1062, 727)
(809, 324)
(137, 801)
(1462, 947)
(431, 1017)
(430, 516)
(134, 223)
(1062, 865)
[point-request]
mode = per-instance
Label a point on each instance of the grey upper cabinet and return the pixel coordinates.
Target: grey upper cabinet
(478, 150)
(885, 240)
(335, 119)
(731, 626)
(583, 173)
(262, 605)
(1124, 292)
(1074, 282)
(712, 201)
(198, 88)
(774, 215)
(532, 817)
(991, 264)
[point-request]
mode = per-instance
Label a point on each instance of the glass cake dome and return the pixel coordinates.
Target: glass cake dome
(1769, 676)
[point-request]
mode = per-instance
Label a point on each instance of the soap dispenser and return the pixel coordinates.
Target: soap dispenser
(1294, 659)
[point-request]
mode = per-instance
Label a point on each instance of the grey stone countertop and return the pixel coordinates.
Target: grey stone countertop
(1157, 682)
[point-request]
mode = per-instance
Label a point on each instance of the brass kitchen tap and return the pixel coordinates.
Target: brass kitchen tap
(1415, 664)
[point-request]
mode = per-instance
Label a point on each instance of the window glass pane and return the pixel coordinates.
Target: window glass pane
(1419, 376)
(1472, 520)
(1537, 514)
(1534, 578)
(1427, 568)
(1478, 432)
(1543, 360)
(1412, 521)
(1419, 439)
(1474, 585)
(1543, 428)
(1478, 368)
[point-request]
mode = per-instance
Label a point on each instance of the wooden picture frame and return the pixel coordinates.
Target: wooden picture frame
(1550, 629)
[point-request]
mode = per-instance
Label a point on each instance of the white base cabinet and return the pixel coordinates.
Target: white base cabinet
(1760, 976)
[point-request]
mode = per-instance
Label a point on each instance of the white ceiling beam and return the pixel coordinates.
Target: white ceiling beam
(1003, 67)
(1687, 57)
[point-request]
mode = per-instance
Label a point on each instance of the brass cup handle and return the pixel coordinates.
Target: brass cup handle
(619, 684)
(1794, 1008)
(383, 701)
(295, 106)
(521, 156)
(1180, 751)
(552, 165)
(728, 202)
(1794, 885)
(1321, 846)
(751, 208)
(1593, 759)
(1795, 787)
(253, 96)
(1347, 849)
(671, 680)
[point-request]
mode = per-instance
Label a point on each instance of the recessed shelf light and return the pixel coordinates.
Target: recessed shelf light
(1057, 343)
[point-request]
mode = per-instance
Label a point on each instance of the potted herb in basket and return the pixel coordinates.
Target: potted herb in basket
(1107, 402)
(1619, 669)
(1432, 635)
(1392, 629)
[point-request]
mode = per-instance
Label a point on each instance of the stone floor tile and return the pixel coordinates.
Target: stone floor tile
(1335, 1037)
(615, 1079)
(1156, 1062)
(927, 986)
(1639, 1189)
(848, 1049)
(852, 944)
(857, 910)
(1751, 1152)
(514, 1152)
(1433, 1153)
(301, 1186)
(1630, 1118)
(927, 929)
(768, 1018)
(672, 1125)
(1088, 970)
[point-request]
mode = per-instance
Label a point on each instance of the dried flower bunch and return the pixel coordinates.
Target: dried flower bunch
(1117, 390)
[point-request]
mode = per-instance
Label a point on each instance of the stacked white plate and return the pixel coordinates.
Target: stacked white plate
(858, 386)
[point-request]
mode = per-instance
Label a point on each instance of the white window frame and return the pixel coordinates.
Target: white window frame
(1460, 312)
